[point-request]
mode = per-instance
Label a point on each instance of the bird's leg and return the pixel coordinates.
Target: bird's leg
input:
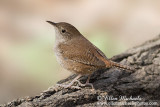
(87, 82)
(71, 83)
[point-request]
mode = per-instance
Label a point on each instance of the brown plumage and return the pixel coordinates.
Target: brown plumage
(76, 54)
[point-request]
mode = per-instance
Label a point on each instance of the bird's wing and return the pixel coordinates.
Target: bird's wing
(82, 51)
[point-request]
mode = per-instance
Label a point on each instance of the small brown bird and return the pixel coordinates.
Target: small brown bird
(76, 54)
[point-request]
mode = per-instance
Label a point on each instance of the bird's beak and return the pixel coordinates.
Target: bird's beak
(52, 23)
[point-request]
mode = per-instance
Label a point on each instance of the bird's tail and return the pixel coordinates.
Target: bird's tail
(110, 64)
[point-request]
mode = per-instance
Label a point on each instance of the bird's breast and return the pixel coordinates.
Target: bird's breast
(59, 54)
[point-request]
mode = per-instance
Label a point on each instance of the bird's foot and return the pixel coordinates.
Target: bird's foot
(68, 86)
(76, 87)
(86, 84)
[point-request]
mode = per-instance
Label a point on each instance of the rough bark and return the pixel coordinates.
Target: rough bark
(143, 82)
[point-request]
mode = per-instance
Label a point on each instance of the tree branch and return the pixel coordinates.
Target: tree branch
(144, 82)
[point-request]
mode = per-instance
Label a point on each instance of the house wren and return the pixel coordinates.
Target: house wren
(76, 54)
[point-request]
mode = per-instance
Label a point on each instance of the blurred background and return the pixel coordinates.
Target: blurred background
(27, 62)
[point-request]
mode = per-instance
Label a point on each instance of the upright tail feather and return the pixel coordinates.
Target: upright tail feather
(117, 65)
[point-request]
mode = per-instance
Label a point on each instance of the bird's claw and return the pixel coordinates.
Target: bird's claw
(75, 87)
(68, 86)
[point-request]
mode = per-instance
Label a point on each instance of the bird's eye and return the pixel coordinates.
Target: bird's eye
(63, 30)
